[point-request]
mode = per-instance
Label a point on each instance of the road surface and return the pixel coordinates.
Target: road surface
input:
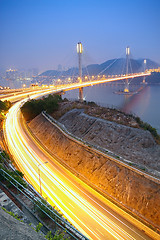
(88, 211)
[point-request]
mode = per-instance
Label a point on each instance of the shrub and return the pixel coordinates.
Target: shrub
(16, 175)
(34, 107)
(148, 127)
(42, 209)
(5, 105)
(38, 227)
(57, 236)
(12, 214)
(5, 154)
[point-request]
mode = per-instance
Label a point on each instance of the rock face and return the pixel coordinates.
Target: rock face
(136, 192)
(9, 205)
(131, 143)
(11, 229)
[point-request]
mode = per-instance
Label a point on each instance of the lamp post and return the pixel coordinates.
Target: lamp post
(39, 173)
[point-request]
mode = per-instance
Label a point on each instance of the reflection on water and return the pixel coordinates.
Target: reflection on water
(137, 100)
(144, 104)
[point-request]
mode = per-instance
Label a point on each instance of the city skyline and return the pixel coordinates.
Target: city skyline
(44, 34)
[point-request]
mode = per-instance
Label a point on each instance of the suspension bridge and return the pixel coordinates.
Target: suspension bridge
(89, 212)
(82, 80)
(104, 79)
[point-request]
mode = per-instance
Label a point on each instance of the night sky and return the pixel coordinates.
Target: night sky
(44, 33)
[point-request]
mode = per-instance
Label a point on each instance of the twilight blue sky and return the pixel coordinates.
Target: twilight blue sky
(44, 33)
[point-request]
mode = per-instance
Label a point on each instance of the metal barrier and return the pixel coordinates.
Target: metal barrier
(65, 225)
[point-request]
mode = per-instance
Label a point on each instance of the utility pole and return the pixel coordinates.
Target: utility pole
(39, 173)
(79, 51)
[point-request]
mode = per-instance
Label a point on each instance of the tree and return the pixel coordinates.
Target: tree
(34, 107)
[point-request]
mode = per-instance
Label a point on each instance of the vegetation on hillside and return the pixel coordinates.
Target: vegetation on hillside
(44, 207)
(148, 127)
(12, 175)
(110, 114)
(10, 178)
(4, 106)
(57, 236)
(34, 107)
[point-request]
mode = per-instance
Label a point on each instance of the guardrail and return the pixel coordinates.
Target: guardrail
(61, 222)
(114, 157)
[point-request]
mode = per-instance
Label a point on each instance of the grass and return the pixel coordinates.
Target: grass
(12, 214)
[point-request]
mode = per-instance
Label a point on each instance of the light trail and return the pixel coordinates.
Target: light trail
(19, 96)
(99, 81)
(87, 210)
(22, 93)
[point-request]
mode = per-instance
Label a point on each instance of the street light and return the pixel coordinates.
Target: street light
(40, 177)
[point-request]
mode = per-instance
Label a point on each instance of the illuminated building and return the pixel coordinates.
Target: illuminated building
(11, 74)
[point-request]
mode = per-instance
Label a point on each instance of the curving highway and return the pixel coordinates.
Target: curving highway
(88, 211)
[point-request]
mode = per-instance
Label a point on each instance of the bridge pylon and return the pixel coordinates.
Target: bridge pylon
(144, 65)
(126, 89)
(79, 51)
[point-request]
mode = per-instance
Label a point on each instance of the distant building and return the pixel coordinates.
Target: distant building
(32, 72)
(59, 68)
(11, 74)
(154, 70)
(35, 72)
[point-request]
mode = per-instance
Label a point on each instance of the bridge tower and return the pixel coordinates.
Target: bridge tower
(144, 65)
(79, 51)
(126, 89)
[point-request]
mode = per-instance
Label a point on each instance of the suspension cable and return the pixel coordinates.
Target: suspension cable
(109, 65)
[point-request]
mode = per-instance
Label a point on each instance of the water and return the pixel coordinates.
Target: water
(144, 104)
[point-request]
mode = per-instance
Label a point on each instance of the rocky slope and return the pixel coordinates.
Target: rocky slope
(133, 144)
(11, 229)
(109, 175)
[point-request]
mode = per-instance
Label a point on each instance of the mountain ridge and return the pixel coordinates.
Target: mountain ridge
(109, 67)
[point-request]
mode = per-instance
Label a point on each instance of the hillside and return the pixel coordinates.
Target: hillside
(109, 67)
(130, 143)
(111, 176)
(11, 228)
